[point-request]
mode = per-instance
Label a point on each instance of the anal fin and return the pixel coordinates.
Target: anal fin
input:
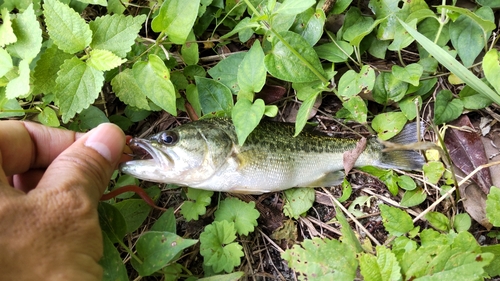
(329, 179)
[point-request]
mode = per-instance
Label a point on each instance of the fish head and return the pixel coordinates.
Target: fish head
(185, 155)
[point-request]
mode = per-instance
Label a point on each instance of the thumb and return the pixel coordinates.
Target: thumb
(87, 165)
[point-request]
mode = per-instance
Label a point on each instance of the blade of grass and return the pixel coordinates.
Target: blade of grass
(452, 64)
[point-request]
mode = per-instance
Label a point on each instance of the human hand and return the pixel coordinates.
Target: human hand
(49, 228)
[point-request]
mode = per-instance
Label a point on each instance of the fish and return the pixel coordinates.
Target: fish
(205, 154)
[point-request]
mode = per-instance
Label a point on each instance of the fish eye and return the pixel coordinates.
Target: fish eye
(168, 138)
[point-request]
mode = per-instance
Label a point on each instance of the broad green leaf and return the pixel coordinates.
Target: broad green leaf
(446, 108)
(128, 90)
(472, 99)
(9, 107)
(491, 68)
(313, 260)
(251, 71)
(453, 65)
(493, 269)
(104, 60)
(388, 88)
(298, 201)
(7, 35)
(349, 237)
(95, 2)
(356, 26)
(397, 222)
(111, 262)
(244, 215)
(91, 117)
(352, 83)
(304, 112)
(226, 71)
(389, 124)
(246, 116)
(337, 51)
(462, 222)
(5, 62)
(166, 222)
(115, 33)
(78, 86)
(482, 18)
(406, 183)
(410, 106)
(156, 249)
(309, 24)
(117, 6)
(176, 19)
(235, 276)
(48, 117)
(214, 96)
(384, 266)
(410, 73)
(218, 248)
(46, 69)
(489, 3)
(112, 222)
(493, 206)
(154, 79)
(293, 59)
(388, 10)
(189, 50)
(294, 7)
(19, 86)
(433, 171)
(401, 38)
(134, 211)
(438, 221)
(65, 26)
(28, 33)
(413, 197)
(357, 109)
(192, 209)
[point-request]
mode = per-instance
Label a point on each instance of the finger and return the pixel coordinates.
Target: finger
(26, 145)
(27, 181)
(86, 166)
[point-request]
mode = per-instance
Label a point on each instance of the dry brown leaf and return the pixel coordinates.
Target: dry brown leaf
(350, 156)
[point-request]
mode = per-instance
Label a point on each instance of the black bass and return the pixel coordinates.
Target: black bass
(205, 154)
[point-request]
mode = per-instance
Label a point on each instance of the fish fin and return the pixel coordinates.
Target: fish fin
(404, 158)
(329, 179)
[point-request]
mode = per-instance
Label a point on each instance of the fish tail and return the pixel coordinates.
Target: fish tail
(404, 157)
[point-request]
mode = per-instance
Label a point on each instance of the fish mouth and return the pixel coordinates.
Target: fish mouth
(146, 151)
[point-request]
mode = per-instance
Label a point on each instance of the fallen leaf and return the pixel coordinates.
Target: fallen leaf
(350, 156)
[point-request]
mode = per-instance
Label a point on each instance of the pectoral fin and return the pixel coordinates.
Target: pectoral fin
(329, 179)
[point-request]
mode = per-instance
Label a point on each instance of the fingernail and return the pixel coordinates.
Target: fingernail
(107, 140)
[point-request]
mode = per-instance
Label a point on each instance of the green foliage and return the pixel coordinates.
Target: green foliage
(197, 207)
(298, 201)
(244, 215)
(493, 206)
(396, 221)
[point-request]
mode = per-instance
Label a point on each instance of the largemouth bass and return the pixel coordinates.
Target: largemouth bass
(205, 154)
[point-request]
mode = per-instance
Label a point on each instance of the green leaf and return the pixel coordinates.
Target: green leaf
(214, 96)
(166, 222)
(413, 197)
(410, 73)
(382, 267)
(337, 51)
(78, 86)
(298, 201)
(309, 24)
(7, 35)
(356, 26)
(226, 71)
(176, 19)
(246, 116)
(65, 26)
(446, 108)
(251, 71)
(190, 210)
(352, 83)
(389, 88)
(19, 86)
(438, 221)
(294, 7)
(313, 260)
(189, 50)
(12, 105)
(28, 33)
(406, 183)
(128, 90)
(349, 237)
(91, 117)
(115, 33)
(397, 222)
(293, 59)
(493, 206)
(95, 2)
(433, 171)
(218, 248)
(48, 117)
(45, 73)
(235, 276)
(135, 212)
(462, 222)
(5, 62)
(357, 109)
(304, 112)
(244, 215)
(157, 249)
(483, 21)
(410, 106)
(472, 99)
(111, 262)
(491, 68)
(389, 124)
(153, 78)
(112, 222)
(104, 60)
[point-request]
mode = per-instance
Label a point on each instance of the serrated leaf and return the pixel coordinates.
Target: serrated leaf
(384, 266)
(298, 65)
(410, 73)
(19, 86)
(78, 86)
(397, 222)
(48, 117)
(128, 90)
(65, 26)
(353, 83)
(298, 201)
(7, 35)
(244, 215)
(28, 33)
(5, 62)
(176, 19)
(214, 96)
(389, 124)
(438, 221)
(246, 116)
(191, 210)
(493, 206)
(111, 262)
(251, 71)
(104, 60)
(115, 33)
(313, 260)
(218, 248)
(45, 73)
(156, 249)
(446, 108)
